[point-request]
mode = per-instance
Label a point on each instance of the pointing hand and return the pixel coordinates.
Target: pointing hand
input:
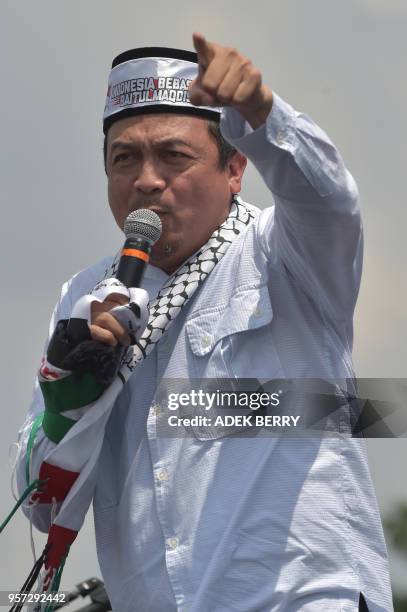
(227, 78)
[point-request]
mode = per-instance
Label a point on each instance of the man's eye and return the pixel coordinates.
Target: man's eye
(175, 154)
(122, 157)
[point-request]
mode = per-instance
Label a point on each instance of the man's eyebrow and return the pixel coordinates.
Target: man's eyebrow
(122, 144)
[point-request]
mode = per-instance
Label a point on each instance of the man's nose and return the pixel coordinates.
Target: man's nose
(149, 178)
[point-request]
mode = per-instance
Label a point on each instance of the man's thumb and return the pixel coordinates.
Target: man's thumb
(198, 96)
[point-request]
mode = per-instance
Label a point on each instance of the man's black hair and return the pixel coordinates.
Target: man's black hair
(224, 148)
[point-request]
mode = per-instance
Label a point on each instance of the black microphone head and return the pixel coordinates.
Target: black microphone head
(143, 223)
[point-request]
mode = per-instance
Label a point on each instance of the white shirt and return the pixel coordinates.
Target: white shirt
(251, 524)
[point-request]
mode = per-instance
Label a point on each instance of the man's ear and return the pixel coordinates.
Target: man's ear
(235, 168)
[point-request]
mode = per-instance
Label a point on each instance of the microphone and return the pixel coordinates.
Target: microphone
(71, 348)
(95, 589)
(142, 229)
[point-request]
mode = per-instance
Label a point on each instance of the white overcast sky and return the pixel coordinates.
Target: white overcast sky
(341, 62)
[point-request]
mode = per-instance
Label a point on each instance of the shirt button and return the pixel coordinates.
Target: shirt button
(162, 475)
(258, 312)
(206, 341)
(173, 543)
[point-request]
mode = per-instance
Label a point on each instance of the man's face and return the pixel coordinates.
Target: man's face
(170, 164)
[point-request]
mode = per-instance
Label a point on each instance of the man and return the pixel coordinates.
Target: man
(222, 523)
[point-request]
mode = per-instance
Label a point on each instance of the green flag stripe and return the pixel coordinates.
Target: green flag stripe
(70, 392)
(55, 426)
(33, 433)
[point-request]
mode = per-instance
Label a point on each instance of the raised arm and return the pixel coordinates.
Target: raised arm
(314, 233)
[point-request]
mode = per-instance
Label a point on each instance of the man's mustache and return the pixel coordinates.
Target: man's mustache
(151, 204)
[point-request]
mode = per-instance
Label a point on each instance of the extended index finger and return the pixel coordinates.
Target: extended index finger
(204, 49)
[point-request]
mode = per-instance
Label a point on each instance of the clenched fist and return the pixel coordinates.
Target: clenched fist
(104, 326)
(227, 78)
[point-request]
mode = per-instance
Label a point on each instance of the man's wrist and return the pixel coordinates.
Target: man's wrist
(256, 117)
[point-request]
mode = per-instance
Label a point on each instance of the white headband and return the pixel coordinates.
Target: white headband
(143, 81)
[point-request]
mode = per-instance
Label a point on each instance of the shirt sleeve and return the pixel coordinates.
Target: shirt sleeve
(315, 233)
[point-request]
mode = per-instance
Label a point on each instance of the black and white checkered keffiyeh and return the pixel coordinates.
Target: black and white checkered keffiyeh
(181, 286)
